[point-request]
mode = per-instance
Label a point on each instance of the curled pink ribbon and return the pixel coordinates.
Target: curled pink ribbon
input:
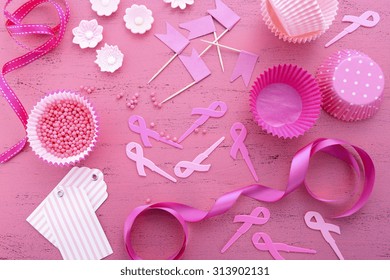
(15, 27)
(298, 170)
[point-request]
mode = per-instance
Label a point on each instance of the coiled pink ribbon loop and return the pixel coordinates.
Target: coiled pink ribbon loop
(15, 27)
(298, 170)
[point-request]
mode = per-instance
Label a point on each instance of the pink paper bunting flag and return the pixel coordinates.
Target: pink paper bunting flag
(173, 39)
(224, 15)
(199, 27)
(245, 65)
(195, 66)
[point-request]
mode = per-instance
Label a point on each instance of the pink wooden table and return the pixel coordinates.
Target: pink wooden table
(25, 181)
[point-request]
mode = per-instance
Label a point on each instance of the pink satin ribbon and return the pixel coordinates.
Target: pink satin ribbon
(298, 170)
(15, 27)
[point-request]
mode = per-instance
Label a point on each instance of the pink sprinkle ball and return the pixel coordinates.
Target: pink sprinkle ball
(66, 128)
(174, 139)
(153, 99)
(152, 124)
(204, 131)
(155, 104)
(159, 105)
(136, 95)
(196, 130)
(152, 94)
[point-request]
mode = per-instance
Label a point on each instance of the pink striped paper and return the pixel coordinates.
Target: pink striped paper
(90, 181)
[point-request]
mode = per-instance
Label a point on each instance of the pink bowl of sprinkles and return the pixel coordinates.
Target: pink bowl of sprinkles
(62, 128)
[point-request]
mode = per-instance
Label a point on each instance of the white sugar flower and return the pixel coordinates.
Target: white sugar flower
(104, 7)
(138, 19)
(109, 58)
(88, 34)
(179, 3)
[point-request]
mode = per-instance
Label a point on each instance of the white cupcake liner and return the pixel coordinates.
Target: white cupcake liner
(34, 117)
(302, 19)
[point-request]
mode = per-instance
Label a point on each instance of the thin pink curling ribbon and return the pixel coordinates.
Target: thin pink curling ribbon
(15, 27)
(298, 170)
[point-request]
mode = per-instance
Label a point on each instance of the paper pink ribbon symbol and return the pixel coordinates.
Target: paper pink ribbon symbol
(217, 109)
(238, 133)
(195, 165)
(145, 132)
(141, 161)
(325, 228)
(249, 221)
(274, 248)
(362, 20)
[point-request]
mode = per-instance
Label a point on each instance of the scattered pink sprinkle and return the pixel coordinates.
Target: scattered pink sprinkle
(128, 104)
(66, 128)
(159, 105)
(174, 139)
(153, 99)
(136, 94)
(148, 200)
(132, 106)
(152, 94)
(135, 101)
(155, 104)
(162, 133)
(168, 137)
(204, 131)
(196, 130)
(152, 124)
(118, 97)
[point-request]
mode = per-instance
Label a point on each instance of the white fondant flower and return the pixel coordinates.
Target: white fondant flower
(88, 34)
(104, 7)
(138, 19)
(109, 58)
(179, 3)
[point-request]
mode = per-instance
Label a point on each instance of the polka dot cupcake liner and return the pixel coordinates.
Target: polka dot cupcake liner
(297, 21)
(62, 128)
(285, 101)
(351, 84)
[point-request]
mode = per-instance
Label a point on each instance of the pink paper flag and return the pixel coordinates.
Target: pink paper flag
(195, 66)
(224, 15)
(244, 66)
(173, 39)
(199, 27)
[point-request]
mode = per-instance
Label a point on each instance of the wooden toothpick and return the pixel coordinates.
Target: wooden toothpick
(222, 46)
(178, 92)
(163, 67)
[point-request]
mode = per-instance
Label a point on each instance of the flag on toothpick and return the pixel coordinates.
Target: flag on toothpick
(199, 27)
(224, 15)
(197, 69)
(245, 65)
(175, 41)
(195, 66)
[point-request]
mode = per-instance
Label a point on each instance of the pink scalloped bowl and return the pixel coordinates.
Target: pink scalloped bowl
(32, 124)
(285, 101)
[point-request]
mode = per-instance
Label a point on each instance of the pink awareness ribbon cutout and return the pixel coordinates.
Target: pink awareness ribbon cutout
(325, 228)
(238, 133)
(217, 109)
(145, 132)
(298, 170)
(141, 161)
(249, 221)
(274, 248)
(15, 27)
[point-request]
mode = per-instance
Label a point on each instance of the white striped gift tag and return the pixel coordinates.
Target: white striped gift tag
(89, 180)
(75, 226)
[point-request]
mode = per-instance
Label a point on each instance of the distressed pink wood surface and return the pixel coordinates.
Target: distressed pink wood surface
(25, 181)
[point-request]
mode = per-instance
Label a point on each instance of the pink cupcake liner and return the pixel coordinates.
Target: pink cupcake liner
(33, 120)
(351, 84)
(298, 21)
(285, 101)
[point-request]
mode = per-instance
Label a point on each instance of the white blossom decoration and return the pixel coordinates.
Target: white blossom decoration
(138, 19)
(182, 4)
(109, 58)
(104, 7)
(88, 34)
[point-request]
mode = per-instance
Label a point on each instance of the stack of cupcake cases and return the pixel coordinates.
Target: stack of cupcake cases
(299, 21)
